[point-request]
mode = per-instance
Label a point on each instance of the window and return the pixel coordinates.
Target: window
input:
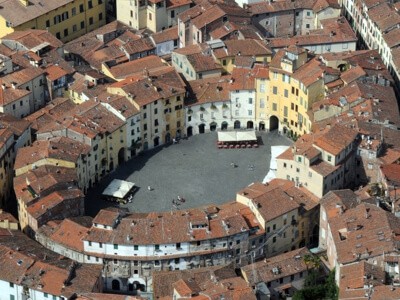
(274, 107)
(73, 11)
(145, 127)
(135, 247)
(100, 2)
(74, 28)
(250, 100)
(307, 26)
(64, 16)
(150, 16)
(81, 8)
(308, 13)
(11, 284)
(172, 14)
(155, 111)
(82, 24)
(250, 112)
(144, 115)
(100, 16)
(156, 122)
(12, 297)
(275, 90)
(156, 247)
(274, 227)
(100, 245)
(286, 93)
(47, 23)
(262, 87)
(91, 21)
(90, 243)
(90, 4)
(274, 239)
(329, 158)
(66, 32)
(285, 111)
(262, 103)
(115, 246)
(45, 295)
(178, 245)
(131, 13)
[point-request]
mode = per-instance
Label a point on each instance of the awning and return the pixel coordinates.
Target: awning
(236, 136)
(118, 188)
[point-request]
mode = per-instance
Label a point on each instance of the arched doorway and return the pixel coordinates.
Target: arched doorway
(202, 128)
(342, 67)
(156, 141)
(115, 285)
(189, 131)
(273, 123)
(213, 126)
(261, 126)
(167, 137)
(250, 125)
(121, 156)
(236, 125)
(224, 125)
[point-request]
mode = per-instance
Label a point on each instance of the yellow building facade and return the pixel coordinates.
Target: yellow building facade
(294, 85)
(66, 19)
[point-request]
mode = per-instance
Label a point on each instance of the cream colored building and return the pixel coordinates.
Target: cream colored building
(158, 95)
(66, 19)
(155, 15)
(321, 162)
(286, 212)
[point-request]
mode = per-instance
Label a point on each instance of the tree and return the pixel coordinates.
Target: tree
(313, 290)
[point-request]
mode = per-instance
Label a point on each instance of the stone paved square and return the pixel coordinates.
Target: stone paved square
(194, 169)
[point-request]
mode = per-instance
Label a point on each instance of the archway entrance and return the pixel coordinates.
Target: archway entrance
(115, 285)
(121, 156)
(273, 123)
(202, 128)
(236, 125)
(189, 131)
(213, 126)
(167, 137)
(250, 125)
(261, 126)
(156, 141)
(224, 125)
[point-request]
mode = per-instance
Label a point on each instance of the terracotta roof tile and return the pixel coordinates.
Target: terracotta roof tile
(166, 35)
(289, 263)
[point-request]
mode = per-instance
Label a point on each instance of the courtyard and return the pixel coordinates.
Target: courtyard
(194, 169)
